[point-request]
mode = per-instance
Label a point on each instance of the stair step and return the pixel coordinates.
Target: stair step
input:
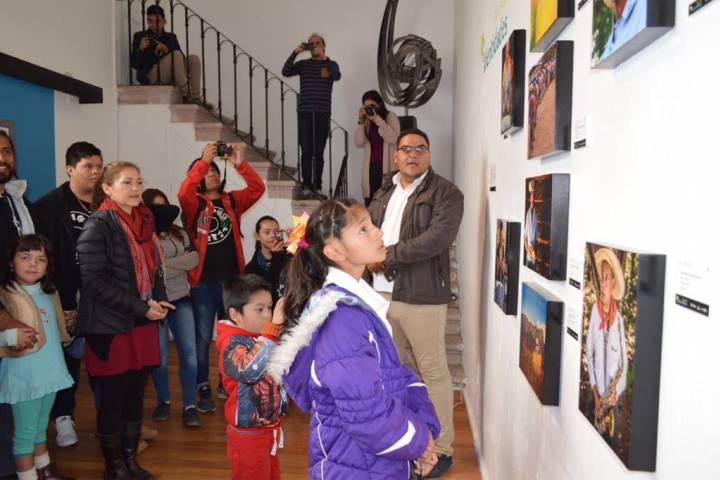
(214, 131)
(453, 343)
(457, 372)
(148, 94)
(190, 113)
(283, 188)
(455, 359)
(300, 206)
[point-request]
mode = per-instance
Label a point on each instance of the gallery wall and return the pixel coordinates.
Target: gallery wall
(270, 30)
(74, 38)
(646, 181)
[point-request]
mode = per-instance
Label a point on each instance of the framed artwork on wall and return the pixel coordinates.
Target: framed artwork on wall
(621, 29)
(547, 19)
(513, 83)
(547, 200)
(550, 85)
(507, 265)
(541, 321)
(623, 296)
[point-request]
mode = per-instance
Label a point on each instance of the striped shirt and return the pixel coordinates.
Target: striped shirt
(315, 91)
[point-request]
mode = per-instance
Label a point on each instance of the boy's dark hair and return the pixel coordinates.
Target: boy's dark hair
(27, 243)
(79, 150)
(237, 292)
(156, 10)
(309, 267)
(412, 131)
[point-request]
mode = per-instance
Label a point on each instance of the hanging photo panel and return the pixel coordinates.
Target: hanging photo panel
(513, 83)
(507, 265)
(547, 200)
(541, 321)
(621, 29)
(623, 294)
(550, 86)
(547, 19)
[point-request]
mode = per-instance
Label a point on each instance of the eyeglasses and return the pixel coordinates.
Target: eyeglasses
(407, 149)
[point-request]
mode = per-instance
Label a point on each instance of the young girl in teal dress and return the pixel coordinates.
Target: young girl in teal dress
(29, 378)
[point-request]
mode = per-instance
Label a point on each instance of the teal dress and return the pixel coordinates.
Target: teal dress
(39, 373)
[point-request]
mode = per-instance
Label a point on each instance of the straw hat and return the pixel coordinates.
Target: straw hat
(607, 255)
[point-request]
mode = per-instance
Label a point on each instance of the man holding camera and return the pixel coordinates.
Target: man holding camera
(317, 75)
(157, 57)
(212, 219)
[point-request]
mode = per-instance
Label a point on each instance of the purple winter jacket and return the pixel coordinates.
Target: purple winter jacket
(371, 415)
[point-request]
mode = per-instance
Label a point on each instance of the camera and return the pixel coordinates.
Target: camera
(280, 236)
(308, 46)
(370, 111)
(223, 149)
(153, 41)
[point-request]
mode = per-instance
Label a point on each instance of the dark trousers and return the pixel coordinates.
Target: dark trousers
(121, 399)
(65, 399)
(376, 177)
(313, 128)
(7, 461)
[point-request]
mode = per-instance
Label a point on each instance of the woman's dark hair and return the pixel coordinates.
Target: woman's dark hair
(28, 243)
(307, 270)
(109, 174)
(202, 188)
(374, 95)
(258, 225)
(148, 196)
(237, 292)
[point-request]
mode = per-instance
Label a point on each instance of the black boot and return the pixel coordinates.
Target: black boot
(115, 468)
(130, 440)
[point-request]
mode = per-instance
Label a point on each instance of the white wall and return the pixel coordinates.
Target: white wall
(271, 29)
(75, 38)
(645, 181)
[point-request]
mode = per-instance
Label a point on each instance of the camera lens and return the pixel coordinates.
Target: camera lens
(370, 111)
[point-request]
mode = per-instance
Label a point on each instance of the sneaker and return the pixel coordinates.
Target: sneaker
(221, 393)
(205, 402)
(65, 427)
(191, 418)
(161, 412)
(148, 434)
(442, 466)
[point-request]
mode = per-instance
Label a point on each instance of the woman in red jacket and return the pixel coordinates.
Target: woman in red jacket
(212, 219)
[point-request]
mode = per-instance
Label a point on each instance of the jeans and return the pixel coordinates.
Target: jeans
(181, 322)
(207, 302)
(313, 128)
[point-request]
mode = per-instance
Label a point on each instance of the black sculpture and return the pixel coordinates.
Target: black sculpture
(408, 67)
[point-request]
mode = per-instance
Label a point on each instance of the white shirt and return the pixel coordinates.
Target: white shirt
(393, 222)
(363, 290)
(606, 349)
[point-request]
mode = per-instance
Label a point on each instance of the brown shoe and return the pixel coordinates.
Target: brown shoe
(48, 473)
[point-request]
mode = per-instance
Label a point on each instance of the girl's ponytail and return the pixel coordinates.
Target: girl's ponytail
(307, 270)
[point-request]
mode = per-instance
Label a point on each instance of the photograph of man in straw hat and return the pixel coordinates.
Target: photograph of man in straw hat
(608, 343)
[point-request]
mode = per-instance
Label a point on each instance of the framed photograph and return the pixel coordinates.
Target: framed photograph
(547, 19)
(547, 200)
(550, 102)
(541, 321)
(507, 265)
(513, 83)
(621, 29)
(623, 297)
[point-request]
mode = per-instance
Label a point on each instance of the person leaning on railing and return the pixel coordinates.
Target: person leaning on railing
(158, 59)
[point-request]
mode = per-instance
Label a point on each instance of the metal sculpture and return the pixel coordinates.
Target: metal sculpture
(408, 67)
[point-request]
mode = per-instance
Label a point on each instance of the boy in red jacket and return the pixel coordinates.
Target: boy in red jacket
(255, 403)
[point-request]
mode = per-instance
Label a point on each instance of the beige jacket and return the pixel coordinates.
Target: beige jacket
(19, 304)
(389, 131)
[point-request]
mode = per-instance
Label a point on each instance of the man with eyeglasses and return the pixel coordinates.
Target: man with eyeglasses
(419, 213)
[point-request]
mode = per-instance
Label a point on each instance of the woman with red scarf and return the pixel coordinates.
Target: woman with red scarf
(121, 298)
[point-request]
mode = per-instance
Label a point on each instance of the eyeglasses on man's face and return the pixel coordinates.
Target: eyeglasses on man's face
(408, 149)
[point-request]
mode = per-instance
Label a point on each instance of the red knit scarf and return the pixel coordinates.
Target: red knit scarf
(606, 320)
(139, 228)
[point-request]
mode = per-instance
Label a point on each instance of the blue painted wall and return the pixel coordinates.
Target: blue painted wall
(32, 109)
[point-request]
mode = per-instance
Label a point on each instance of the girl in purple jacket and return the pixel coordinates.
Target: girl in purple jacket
(371, 417)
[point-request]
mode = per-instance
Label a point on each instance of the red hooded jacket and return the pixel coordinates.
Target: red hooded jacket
(199, 228)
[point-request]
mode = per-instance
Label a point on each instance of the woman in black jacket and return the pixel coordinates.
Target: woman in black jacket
(122, 295)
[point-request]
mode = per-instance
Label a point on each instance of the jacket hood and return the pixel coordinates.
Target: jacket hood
(291, 359)
(226, 329)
